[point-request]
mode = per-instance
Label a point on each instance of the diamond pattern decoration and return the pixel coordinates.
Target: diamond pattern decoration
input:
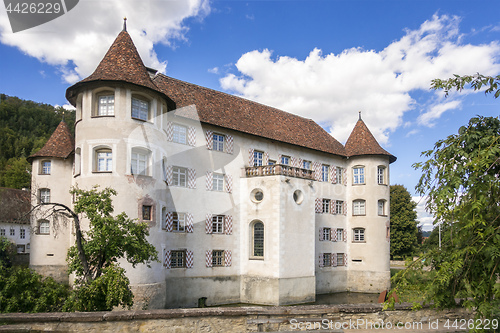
(208, 224)
(169, 175)
(208, 258)
(192, 178)
(191, 136)
(333, 174)
(229, 183)
(345, 235)
(169, 221)
(321, 260)
(333, 259)
(317, 170)
(300, 163)
(189, 259)
(345, 259)
(228, 225)
(229, 144)
(250, 157)
(189, 222)
(293, 161)
(170, 131)
(209, 135)
(318, 206)
(266, 158)
(344, 208)
(333, 235)
(209, 181)
(166, 260)
(321, 237)
(227, 258)
(344, 175)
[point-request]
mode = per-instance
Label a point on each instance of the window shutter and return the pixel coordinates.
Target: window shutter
(228, 225)
(334, 235)
(229, 183)
(317, 170)
(192, 178)
(166, 259)
(189, 259)
(344, 175)
(189, 222)
(345, 235)
(170, 131)
(321, 237)
(279, 159)
(333, 259)
(344, 208)
(266, 158)
(208, 224)
(293, 161)
(250, 157)
(208, 258)
(169, 221)
(229, 144)
(169, 175)
(210, 181)
(191, 136)
(300, 163)
(345, 259)
(321, 260)
(227, 258)
(333, 174)
(209, 135)
(333, 207)
(318, 208)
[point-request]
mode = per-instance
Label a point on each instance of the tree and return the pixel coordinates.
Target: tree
(476, 82)
(17, 173)
(462, 182)
(101, 283)
(403, 222)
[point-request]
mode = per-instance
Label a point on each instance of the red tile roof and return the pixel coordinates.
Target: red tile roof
(243, 115)
(14, 205)
(60, 144)
(362, 142)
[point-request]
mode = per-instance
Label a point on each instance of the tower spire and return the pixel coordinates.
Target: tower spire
(124, 24)
(359, 115)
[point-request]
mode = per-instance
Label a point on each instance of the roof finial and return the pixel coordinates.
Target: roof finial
(124, 24)
(359, 115)
(63, 115)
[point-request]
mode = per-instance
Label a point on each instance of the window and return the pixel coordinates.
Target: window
(326, 234)
(44, 195)
(381, 175)
(340, 259)
(179, 134)
(285, 160)
(358, 207)
(140, 109)
(217, 258)
(258, 158)
(104, 160)
(140, 162)
(106, 105)
(179, 176)
(2, 232)
(218, 224)
(258, 239)
(324, 173)
(339, 205)
(271, 162)
(43, 227)
(306, 165)
(358, 174)
(164, 168)
(12, 231)
(45, 167)
(218, 142)
(340, 171)
(381, 207)
(359, 235)
(21, 248)
(146, 213)
(340, 235)
(218, 182)
(178, 259)
(179, 222)
(326, 206)
(327, 259)
(78, 161)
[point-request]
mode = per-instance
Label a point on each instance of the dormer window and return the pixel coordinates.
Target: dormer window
(140, 109)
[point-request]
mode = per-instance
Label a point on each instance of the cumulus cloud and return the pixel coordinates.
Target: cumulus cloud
(77, 41)
(423, 216)
(332, 88)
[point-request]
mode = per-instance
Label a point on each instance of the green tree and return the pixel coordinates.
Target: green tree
(17, 173)
(7, 250)
(403, 222)
(461, 180)
(476, 81)
(101, 283)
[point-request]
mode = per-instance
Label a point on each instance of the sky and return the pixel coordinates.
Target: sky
(321, 59)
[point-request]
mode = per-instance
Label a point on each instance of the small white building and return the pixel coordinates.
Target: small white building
(14, 217)
(246, 203)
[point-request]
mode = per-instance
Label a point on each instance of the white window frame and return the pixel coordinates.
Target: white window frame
(45, 167)
(140, 108)
(339, 207)
(105, 155)
(306, 165)
(139, 161)
(285, 160)
(105, 104)
(179, 134)
(340, 175)
(218, 224)
(178, 259)
(326, 206)
(271, 162)
(179, 176)
(218, 182)
(178, 222)
(381, 208)
(340, 235)
(381, 175)
(218, 258)
(327, 259)
(327, 234)
(339, 259)
(258, 158)
(218, 142)
(43, 227)
(22, 233)
(359, 207)
(257, 252)
(358, 235)
(358, 175)
(44, 195)
(12, 232)
(324, 172)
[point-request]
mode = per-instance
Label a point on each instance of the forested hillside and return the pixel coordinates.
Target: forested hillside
(25, 126)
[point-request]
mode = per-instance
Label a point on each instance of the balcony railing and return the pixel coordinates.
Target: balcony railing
(279, 170)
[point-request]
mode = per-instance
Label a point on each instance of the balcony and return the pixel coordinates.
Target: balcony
(279, 170)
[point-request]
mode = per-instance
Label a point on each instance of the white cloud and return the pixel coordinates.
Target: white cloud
(435, 111)
(332, 88)
(78, 40)
(423, 216)
(214, 70)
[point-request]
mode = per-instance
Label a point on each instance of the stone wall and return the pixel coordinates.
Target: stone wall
(321, 318)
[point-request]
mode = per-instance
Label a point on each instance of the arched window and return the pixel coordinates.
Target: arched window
(257, 229)
(103, 159)
(381, 208)
(358, 235)
(381, 178)
(359, 207)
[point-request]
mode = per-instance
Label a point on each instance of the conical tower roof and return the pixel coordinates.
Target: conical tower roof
(362, 142)
(121, 63)
(60, 144)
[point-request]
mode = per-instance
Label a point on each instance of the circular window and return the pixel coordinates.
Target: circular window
(298, 197)
(257, 195)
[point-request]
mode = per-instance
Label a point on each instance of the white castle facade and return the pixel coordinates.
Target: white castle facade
(245, 203)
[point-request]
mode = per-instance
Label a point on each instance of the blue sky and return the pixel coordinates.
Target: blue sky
(324, 60)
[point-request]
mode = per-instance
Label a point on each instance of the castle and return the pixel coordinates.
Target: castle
(246, 203)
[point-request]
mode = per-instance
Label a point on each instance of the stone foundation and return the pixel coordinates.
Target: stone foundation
(57, 272)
